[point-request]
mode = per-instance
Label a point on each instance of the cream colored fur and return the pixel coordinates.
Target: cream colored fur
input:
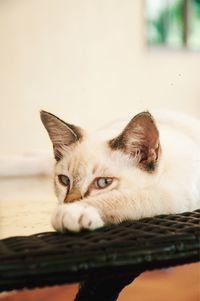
(173, 187)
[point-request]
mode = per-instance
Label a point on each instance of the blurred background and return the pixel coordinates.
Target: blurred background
(93, 61)
(89, 62)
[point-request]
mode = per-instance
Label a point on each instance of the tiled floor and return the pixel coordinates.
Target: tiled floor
(26, 205)
(25, 208)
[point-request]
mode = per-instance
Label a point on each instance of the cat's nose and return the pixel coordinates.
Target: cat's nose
(73, 195)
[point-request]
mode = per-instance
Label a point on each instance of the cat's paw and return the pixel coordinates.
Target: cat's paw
(75, 217)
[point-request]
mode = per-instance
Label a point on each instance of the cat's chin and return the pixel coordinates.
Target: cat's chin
(76, 217)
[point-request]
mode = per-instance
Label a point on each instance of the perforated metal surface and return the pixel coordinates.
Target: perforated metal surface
(52, 258)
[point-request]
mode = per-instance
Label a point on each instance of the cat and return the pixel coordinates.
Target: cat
(127, 171)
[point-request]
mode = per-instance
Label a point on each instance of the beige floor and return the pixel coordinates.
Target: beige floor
(26, 205)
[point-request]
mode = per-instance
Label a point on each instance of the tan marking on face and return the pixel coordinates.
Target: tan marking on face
(73, 195)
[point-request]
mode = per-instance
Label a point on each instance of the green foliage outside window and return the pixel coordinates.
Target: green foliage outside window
(173, 23)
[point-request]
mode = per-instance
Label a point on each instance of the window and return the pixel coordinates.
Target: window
(173, 23)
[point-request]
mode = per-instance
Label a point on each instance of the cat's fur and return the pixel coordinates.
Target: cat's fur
(154, 163)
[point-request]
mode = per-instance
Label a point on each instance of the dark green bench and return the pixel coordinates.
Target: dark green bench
(105, 260)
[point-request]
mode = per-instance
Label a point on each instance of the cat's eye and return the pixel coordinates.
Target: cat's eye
(101, 183)
(64, 180)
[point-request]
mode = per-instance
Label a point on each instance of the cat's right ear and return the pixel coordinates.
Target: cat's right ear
(140, 139)
(62, 134)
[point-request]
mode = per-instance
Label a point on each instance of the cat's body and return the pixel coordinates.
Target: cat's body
(150, 166)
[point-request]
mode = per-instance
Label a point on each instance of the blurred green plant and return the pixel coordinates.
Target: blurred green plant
(173, 24)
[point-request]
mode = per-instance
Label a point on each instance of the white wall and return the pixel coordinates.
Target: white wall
(86, 61)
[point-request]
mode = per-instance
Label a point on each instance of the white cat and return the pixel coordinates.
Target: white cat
(143, 168)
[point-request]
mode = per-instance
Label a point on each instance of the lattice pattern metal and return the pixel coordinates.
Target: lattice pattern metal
(52, 258)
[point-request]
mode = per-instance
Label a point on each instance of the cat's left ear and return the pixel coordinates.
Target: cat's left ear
(61, 133)
(140, 139)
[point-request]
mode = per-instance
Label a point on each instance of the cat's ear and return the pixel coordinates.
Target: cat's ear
(61, 133)
(140, 139)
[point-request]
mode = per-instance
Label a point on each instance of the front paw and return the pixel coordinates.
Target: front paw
(75, 217)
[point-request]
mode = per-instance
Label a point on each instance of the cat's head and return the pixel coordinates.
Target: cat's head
(87, 165)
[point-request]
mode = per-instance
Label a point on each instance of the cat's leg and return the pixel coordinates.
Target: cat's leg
(75, 217)
(111, 207)
(117, 206)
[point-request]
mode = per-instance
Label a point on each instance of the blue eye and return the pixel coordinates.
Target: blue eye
(101, 183)
(64, 180)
